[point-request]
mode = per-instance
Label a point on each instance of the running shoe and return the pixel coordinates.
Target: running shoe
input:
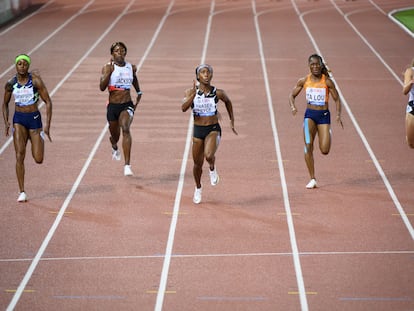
(197, 195)
(127, 170)
(312, 184)
(214, 177)
(22, 197)
(116, 154)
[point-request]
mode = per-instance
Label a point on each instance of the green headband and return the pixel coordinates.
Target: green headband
(22, 57)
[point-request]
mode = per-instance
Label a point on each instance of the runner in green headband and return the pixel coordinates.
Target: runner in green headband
(22, 57)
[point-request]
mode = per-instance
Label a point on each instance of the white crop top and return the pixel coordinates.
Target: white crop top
(121, 78)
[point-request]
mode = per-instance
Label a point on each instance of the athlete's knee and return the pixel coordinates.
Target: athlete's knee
(125, 130)
(210, 157)
(20, 156)
(39, 160)
(197, 166)
(325, 151)
(308, 149)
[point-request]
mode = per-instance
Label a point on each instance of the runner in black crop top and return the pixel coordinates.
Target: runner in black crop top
(203, 100)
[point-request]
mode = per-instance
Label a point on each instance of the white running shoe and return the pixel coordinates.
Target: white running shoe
(214, 177)
(197, 195)
(127, 170)
(312, 184)
(116, 154)
(22, 197)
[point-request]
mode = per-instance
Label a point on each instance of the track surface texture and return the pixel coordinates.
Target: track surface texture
(90, 238)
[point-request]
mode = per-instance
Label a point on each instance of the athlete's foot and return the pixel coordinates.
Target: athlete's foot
(197, 195)
(22, 197)
(127, 170)
(214, 177)
(116, 154)
(312, 184)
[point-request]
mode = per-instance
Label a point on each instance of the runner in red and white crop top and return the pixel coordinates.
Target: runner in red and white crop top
(121, 78)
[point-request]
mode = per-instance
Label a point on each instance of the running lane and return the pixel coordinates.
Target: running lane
(120, 240)
(356, 249)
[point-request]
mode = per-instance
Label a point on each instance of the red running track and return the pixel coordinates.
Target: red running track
(91, 239)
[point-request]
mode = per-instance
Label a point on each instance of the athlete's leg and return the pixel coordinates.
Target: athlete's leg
(409, 129)
(309, 133)
(324, 137)
(38, 145)
(198, 158)
(211, 143)
(125, 120)
(20, 138)
(114, 132)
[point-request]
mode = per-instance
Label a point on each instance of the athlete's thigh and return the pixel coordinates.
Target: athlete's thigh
(409, 126)
(198, 150)
(211, 143)
(20, 137)
(309, 131)
(125, 118)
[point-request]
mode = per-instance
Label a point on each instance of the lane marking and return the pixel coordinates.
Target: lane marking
(375, 299)
(400, 215)
(15, 290)
(53, 228)
(289, 217)
(81, 11)
(387, 184)
(307, 293)
(155, 256)
(90, 297)
(172, 213)
(224, 298)
(165, 292)
(293, 214)
(168, 251)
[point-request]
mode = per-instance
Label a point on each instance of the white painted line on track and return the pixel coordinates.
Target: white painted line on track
(289, 217)
(168, 252)
(10, 139)
(75, 186)
(353, 119)
(222, 255)
(381, 172)
(402, 26)
(45, 5)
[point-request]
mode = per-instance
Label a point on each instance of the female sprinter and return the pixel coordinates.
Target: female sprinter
(118, 76)
(408, 88)
(203, 99)
(26, 87)
(317, 120)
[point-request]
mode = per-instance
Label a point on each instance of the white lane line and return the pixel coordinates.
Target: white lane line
(387, 184)
(62, 210)
(401, 25)
(289, 218)
(168, 251)
(158, 256)
(81, 11)
(353, 119)
(43, 6)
